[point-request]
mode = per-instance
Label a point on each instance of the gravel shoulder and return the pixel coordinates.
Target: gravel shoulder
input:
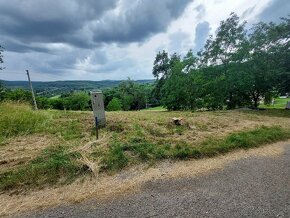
(254, 186)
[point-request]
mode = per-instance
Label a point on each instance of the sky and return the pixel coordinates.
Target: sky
(112, 39)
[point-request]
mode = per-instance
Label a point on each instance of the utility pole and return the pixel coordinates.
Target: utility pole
(33, 96)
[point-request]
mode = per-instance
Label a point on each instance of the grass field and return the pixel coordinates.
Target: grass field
(279, 103)
(48, 148)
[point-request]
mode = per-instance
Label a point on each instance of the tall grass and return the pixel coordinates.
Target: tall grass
(20, 119)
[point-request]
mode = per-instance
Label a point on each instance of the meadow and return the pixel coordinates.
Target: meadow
(53, 148)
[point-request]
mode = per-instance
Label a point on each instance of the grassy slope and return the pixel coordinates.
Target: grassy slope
(70, 150)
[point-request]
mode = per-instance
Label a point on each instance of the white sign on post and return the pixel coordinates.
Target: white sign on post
(98, 108)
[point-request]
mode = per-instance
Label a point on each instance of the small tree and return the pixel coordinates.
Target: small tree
(114, 105)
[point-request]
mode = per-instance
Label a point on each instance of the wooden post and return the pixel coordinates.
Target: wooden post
(33, 96)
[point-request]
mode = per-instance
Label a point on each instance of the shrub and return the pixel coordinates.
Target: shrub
(114, 105)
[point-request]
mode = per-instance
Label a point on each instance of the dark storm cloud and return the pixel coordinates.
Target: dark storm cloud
(139, 21)
(77, 22)
(201, 33)
(276, 10)
(46, 21)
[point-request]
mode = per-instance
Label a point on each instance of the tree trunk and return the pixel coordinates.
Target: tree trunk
(256, 101)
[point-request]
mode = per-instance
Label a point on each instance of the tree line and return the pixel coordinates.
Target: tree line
(128, 95)
(237, 67)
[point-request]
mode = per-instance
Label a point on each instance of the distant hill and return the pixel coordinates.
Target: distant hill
(57, 87)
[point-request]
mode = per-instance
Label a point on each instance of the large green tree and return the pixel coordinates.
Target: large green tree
(160, 71)
(219, 59)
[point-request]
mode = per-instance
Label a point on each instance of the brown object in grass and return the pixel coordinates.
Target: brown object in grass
(177, 121)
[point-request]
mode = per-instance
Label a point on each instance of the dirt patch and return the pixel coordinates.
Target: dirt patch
(129, 181)
(20, 150)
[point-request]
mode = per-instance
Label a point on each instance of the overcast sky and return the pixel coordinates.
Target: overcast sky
(111, 39)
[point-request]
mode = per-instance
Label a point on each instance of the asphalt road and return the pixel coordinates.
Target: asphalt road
(251, 187)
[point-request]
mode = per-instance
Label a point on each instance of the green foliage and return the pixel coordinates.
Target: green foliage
(234, 69)
(114, 105)
(132, 95)
(19, 95)
(77, 101)
(53, 165)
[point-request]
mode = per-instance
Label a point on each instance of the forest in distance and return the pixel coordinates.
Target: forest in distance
(239, 66)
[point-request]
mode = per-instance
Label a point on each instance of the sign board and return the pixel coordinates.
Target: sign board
(98, 108)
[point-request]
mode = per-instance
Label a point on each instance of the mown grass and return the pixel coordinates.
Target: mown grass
(129, 138)
(159, 108)
(270, 112)
(55, 164)
(279, 103)
(121, 155)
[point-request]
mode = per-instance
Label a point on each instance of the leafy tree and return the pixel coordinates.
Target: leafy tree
(221, 55)
(77, 101)
(161, 65)
(190, 61)
(114, 105)
(160, 71)
(262, 66)
(280, 37)
(175, 97)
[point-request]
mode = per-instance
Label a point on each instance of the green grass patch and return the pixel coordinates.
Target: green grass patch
(55, 164)
(271, 112)
(20, 119)
(245, 140)
(279, 103)
(114, 159)
(159, 108)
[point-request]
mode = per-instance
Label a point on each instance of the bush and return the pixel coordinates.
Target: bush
(114, 105)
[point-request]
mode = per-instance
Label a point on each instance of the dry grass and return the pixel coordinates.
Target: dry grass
(156, 126)
(74, 131)
(129, 181)
(20, 150)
